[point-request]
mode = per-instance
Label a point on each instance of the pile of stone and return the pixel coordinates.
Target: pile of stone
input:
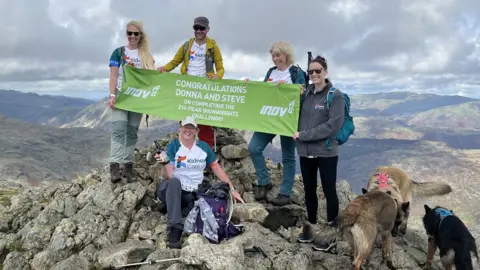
(90, 223)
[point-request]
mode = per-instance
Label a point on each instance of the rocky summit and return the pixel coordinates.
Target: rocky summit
(90, 223)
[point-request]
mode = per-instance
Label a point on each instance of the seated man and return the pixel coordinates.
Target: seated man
(188, 157)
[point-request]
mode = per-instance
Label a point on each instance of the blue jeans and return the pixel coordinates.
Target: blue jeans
(256, 146)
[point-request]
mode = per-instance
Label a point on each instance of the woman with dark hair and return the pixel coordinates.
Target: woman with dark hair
(316, 145)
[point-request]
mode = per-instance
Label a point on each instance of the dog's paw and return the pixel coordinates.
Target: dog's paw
(427, 266)
(390, 265)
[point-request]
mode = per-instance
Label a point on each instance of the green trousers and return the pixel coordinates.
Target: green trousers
(124, 136)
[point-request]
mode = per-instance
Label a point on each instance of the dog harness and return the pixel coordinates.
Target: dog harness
(443, 213)
(382, 180)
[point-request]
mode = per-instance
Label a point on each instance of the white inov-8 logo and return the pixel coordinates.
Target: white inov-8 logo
(131, 91)
(277, 111)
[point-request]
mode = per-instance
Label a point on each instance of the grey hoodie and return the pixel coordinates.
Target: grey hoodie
(317, 122)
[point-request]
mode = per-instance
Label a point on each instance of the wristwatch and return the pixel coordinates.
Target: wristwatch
(112, 95)
(232, 188)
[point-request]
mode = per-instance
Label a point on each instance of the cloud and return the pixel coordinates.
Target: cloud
(421, 45)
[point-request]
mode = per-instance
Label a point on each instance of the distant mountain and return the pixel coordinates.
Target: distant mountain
(376, 127)
(401, 103)
(454, 120)
(98, 115)
(40, 109)
(66, 112)
(33, 153)
(465, 116)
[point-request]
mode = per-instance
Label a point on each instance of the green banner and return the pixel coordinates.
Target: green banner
(255, 106)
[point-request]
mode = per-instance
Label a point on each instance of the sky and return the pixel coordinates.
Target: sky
(426, 46)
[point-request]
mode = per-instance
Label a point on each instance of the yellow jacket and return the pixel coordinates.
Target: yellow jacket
(180, 57)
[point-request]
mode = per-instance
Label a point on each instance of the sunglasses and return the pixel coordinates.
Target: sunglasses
(317, 71)
(198, 27)
(129, 33)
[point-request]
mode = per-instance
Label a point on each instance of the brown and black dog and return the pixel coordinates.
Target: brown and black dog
(402, 188)
(372, 213)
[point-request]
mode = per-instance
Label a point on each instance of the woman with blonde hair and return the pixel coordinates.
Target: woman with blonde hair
(125, 124)
(283, 71)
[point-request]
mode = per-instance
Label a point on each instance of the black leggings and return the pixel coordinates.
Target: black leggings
(328, 175)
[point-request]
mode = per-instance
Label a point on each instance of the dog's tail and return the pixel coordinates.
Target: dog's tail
(428, 189)
(329, 235)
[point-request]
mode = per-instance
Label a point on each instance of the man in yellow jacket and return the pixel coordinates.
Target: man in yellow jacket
(198, 56)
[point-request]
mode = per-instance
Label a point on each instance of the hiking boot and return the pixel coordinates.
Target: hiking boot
(332, 223)
(307, 234)
(326, 246)
(302, 238)
(175, 238)
(128, 174)
(281, 200)
(115, 172)
(261, 191)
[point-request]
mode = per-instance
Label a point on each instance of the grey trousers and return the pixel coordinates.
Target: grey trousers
(124, 136)
(177, 201)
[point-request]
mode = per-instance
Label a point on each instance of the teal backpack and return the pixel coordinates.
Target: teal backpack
(348, 127)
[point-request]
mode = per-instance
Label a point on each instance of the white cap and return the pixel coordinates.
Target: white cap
(189, 121)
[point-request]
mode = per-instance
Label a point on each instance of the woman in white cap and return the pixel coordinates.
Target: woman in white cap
(188, 157)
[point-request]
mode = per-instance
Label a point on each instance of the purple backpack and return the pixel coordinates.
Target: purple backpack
(219, 197)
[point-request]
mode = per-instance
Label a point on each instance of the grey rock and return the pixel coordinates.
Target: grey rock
(248, 197)
(214, 257)
(74, 262)
(144, 224)
(131, 251)
(250, 212)
(235, 151)
(179, 266)
(46, 259)
(230, 140)
(162, 254)
(64, 235)
(67, 206)
(37, 237)
(195, 239)
(15, 261)
(283, 216)
(90, 223)
(269, 246)
(90, 253)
